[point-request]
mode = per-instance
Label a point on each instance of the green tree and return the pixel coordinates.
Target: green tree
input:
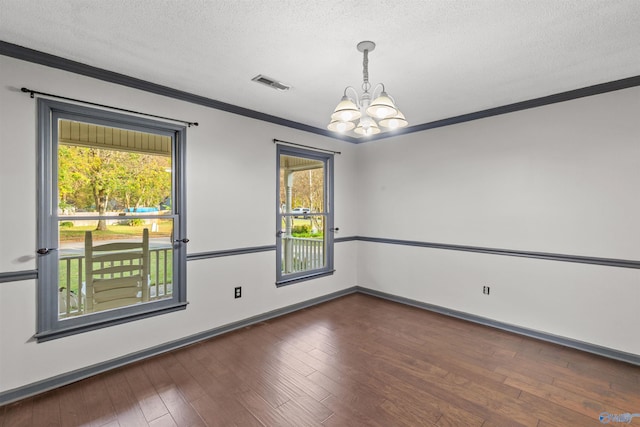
(93, 179)
(70, 179)
(144, 180)
(307, 190)
(104, 171)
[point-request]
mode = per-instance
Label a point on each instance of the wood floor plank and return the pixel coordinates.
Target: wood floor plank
(19, 414)
(346, 414)
(97, 401)
(357, 360)
(270, 344)
(46, 410)
(262, 410)
(400, 393)
(164, 421)
(204, 353)
(181, 411)
(598, 391)
(564, 398)
(497, 406)
(551, 413)
(73, 407)
(446, 362)
(123, 399)
(299, 416)
(223, 411)
(348, 394)
(318, 411)
(250, 373)
(538, 370)
(407, 413)
(188, 385)
(607, 370)
(339, 420)
(628, 390)
(425, 405)
(293, 351)
(148, 398)
(275, 381)
(386, 413)
(359, 370)
(297, 385)
(200, 373)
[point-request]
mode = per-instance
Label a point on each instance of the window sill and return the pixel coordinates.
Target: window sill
(78, 329)
(297, 279)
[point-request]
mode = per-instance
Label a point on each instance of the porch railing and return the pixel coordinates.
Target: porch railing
(302, 254)
(71, 280)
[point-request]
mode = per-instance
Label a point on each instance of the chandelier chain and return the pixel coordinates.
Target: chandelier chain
(365, 71)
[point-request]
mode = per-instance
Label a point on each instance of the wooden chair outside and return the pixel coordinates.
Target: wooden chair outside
(116, 273)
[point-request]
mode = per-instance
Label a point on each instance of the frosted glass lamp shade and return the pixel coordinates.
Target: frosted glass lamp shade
(367, 128)
(338, 126)
(346, 111)
(382, 107)
(394, 122)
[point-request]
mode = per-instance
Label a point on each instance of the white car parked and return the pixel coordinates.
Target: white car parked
(301, 211)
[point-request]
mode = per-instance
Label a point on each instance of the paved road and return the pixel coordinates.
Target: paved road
(77, 248)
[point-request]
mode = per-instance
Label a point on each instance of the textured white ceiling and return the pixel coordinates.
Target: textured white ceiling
(438, 58)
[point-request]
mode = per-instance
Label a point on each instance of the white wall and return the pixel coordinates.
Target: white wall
(561, 179)
(230, 201)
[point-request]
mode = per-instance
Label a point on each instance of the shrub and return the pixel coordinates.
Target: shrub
(300, 229)
(135, 222)
(66, 224)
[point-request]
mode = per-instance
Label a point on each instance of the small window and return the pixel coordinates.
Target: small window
(111, 214)
(304, 248)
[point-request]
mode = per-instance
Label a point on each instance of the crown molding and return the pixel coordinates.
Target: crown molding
(37, 57)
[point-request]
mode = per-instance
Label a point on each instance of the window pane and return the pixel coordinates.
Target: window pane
(112, 178)
(303, 244)
(302, 180)
(303, 217)
(117, 267)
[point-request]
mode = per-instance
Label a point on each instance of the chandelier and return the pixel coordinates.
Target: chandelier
(358, 113)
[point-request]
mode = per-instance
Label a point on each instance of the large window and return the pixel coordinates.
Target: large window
(111, 219)
(304, 248)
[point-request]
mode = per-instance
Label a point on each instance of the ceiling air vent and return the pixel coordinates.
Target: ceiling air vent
(268, 81)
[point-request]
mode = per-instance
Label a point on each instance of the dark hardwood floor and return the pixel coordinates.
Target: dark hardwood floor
(354, 361)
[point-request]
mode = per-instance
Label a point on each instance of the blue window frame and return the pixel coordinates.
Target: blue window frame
(114, 157)
(304, 212)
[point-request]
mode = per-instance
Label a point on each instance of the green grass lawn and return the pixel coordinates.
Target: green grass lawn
(74, 282)
(302, 228)
(76, 234)
(68, 273)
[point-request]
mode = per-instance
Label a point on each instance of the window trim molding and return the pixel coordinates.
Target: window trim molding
(49, 326)
(328, 161)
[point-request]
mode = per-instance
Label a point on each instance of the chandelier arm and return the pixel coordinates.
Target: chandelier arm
(390, 97)
(356, 97)
(376, 87)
